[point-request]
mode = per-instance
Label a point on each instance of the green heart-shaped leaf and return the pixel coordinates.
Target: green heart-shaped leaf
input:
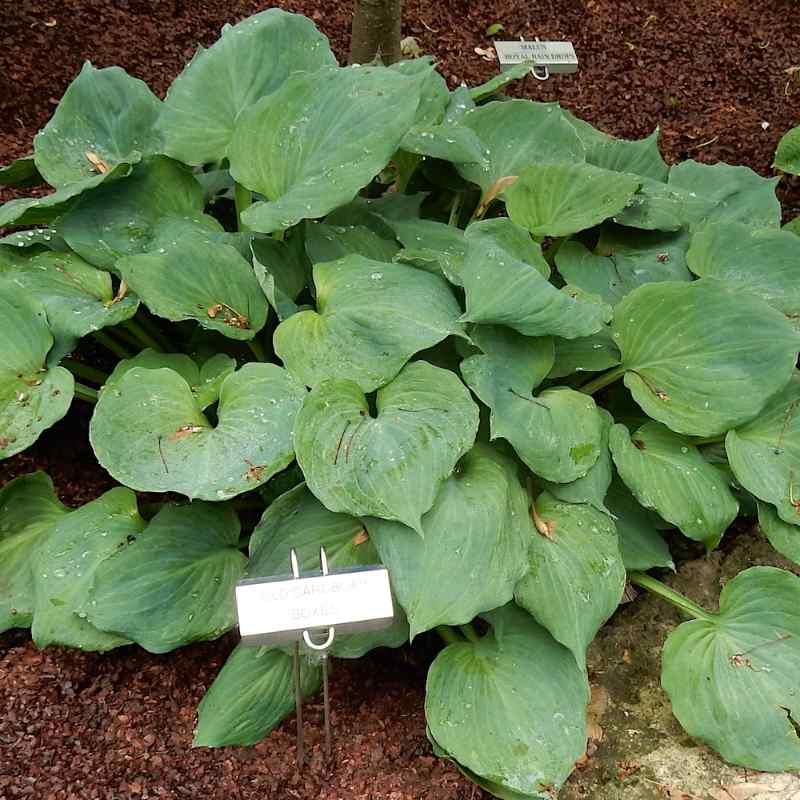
(575, 576)
(250, 696)
(43, 210)
(479, 526)
(763, 262)
(562, 199)
(783, 537)
(523, 692)
(764, 453)
(592, 487)
(702, 357)
(64, 565)
(194, 277)
(591, 272)
(732, 676)
(249, 61)
(640, 544)
(312, 144)
(29, 509)
(666, 472)
(503, 289)
(390, 465)
(298, 520)
(624, 259)
(32, 397)
(371, 318)
(536, 427)
(517, 133)
(699, 193)
(557, 433)
(661, 206)
(509, 362)
(121, 219)
(640, 157)
(173, 584)
(77, 297)
(738, 192)
(105, 118)
(204, 381)
(148, 431)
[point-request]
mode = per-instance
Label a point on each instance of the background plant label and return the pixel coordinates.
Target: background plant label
(274, 610)
(556, 56)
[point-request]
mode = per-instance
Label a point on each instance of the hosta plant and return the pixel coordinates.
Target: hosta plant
(469, 337)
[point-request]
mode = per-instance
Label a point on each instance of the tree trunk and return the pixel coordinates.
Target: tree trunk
(376, 31)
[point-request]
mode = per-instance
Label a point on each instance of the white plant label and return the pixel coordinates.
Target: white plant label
(558, 57)
(275, 610)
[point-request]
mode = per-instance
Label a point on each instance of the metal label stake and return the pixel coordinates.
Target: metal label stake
(283, 609)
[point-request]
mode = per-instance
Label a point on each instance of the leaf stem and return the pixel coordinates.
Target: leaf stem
(449, 634)
(257, 349)
(110, 344)
(670, 595)
(142, 335)
(85, 393)
(601, 381)
(126, 337)
(153, 330)
(470, 632)
(84, 371)
(406, 164)
(455, 209)
(243, 199)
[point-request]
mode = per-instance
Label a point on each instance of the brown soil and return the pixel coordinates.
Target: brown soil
(77, 726)
(710, 73)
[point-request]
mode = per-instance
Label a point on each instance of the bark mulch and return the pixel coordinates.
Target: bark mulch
(715, 75)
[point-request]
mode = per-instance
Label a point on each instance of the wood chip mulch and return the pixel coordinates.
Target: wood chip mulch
(717, 76)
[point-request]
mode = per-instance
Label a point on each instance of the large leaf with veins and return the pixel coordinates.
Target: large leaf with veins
(371, 318)
(249, 61)
(732, 676)
(390, 465)
(312, 144)
(148, 431)
(702, 357)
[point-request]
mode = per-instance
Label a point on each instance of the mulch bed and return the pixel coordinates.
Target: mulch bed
(76, 726)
